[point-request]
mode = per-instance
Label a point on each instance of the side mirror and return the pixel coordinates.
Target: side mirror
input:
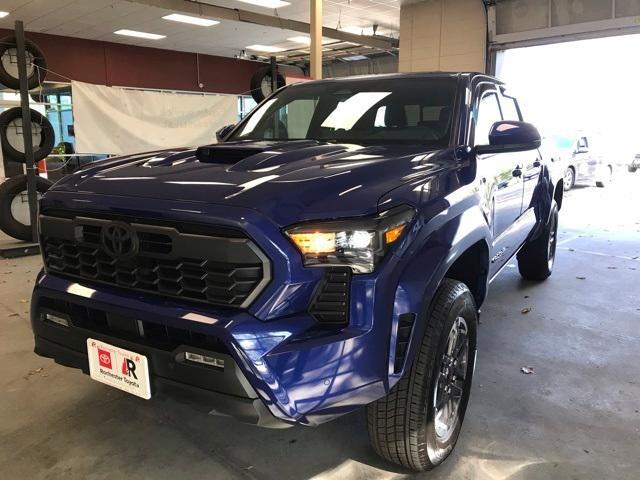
(224, 132)
(511, 136)
(582, 148)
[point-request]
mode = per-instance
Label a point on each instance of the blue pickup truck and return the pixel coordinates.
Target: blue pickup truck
(331, 252)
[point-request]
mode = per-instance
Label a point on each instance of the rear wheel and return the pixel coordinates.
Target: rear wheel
(536, 259)
(418, 423)
(569, 179)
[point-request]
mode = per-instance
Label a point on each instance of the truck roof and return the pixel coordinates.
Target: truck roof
(373, 77)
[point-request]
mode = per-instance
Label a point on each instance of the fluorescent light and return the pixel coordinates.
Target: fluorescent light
(301, 39)
(305, 40)
(354, 58)
(267, 3)
(3, 14)
(202, 22)
(265, 48)
(133, 33)
(367, 31)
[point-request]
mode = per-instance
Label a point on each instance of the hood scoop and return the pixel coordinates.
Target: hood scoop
(227, 154)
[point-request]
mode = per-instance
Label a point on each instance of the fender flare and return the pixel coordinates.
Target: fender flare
(476, 232)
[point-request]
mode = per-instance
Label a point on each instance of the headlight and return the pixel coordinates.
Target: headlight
(359, 243)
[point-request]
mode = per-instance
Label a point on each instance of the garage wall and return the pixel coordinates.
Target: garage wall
(371, 66)
(445, 35)
(106, 63)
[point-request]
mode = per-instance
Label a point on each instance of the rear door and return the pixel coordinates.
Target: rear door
(529, 162)
(499, 178)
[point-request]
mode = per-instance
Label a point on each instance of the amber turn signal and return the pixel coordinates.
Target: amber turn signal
(393, 234)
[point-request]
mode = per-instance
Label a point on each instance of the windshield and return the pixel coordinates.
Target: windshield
(378, 111)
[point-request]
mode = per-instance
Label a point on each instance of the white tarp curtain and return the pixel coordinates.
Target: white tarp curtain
(122, 121)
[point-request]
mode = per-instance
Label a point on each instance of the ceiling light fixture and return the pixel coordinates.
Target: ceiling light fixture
(354, 58)
(202, 22)
(133, 33)
(267, 3)
(367, 31)
(265, 48)
(3, 14)
(303, 39)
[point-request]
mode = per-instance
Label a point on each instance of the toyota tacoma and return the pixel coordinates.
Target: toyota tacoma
(330, 252)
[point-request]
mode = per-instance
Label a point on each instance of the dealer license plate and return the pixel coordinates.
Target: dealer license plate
(119, 368)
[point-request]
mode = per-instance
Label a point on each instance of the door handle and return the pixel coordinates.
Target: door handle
(517, 172)
(536, 164)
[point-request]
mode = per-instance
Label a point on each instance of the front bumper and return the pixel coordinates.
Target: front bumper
(280, 361)
(275, 372)
(247, 409)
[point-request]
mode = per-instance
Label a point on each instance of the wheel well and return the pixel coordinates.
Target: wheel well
(472, 269)
(558, 195)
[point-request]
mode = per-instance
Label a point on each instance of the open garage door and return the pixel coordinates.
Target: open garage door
(583, 96)
(519, 23)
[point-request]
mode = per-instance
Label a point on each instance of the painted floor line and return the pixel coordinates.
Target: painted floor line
(567, 240)
(599, 254)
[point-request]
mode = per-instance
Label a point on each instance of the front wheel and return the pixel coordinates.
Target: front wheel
(418, 423)
(536, 259)
(569, 179)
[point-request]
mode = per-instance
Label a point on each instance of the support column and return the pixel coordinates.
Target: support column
(444, 35)
(315, 33)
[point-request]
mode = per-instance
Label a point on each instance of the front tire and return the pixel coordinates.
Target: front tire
(418, 423)
(569, 179)
(536, 259)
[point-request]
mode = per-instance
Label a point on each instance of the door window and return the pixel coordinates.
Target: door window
(509, 108)
(488, 113)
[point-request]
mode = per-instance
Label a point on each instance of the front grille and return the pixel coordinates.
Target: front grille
(155, 335)
(228, 272)
(330, 305)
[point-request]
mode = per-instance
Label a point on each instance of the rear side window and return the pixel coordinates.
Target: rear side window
(488, 114)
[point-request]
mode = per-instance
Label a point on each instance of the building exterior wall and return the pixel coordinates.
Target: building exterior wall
(443, 35)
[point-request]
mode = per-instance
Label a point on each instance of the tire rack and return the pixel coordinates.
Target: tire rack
(26, 130)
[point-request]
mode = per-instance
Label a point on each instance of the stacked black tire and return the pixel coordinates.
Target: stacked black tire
(261, 83)
(13, 191)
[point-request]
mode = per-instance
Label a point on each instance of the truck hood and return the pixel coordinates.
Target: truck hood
(288, 181)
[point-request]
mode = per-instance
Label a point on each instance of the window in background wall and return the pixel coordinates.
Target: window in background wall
(60, 114)
(245, 105)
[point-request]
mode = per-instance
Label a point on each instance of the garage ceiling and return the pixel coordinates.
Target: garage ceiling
(98, 19)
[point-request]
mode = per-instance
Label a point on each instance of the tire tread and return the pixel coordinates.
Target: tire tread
(395, 422)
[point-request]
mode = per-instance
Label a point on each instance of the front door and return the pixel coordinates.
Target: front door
(501, 182)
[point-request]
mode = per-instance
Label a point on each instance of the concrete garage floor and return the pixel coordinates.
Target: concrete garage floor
(576, 417)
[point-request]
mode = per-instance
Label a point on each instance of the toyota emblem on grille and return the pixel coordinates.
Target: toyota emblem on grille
(119, 240)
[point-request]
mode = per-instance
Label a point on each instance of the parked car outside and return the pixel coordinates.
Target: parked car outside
(634, 164)
(583, 162)
(332, 253)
